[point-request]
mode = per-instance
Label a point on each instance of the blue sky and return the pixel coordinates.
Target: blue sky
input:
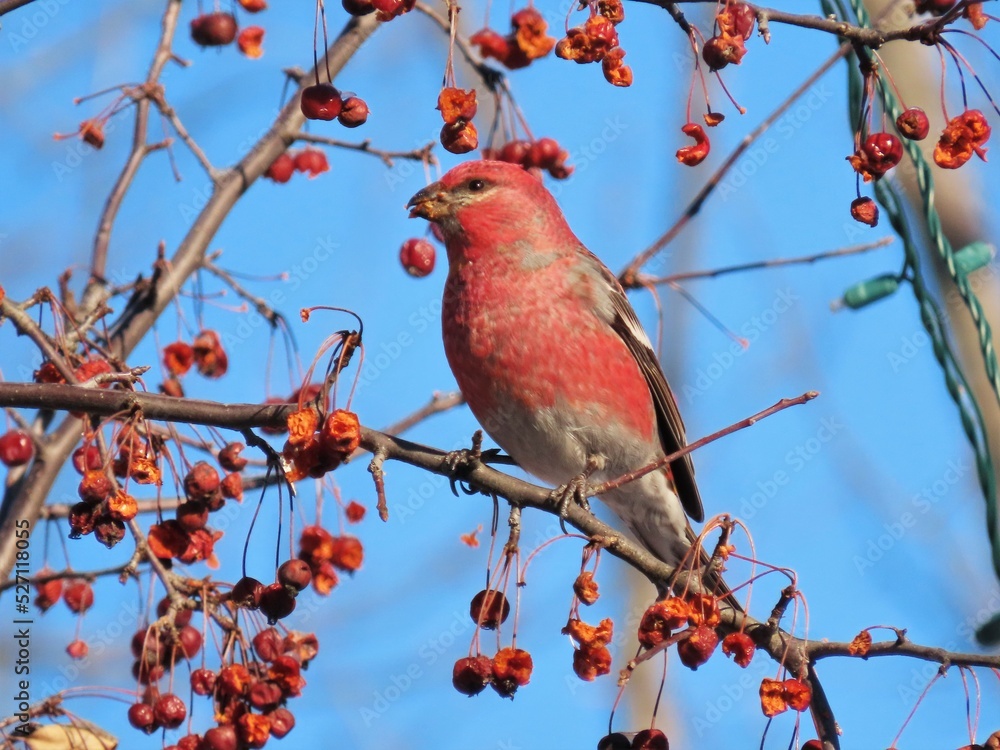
(825, 488)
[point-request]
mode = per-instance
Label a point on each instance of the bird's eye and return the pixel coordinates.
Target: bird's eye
(476, 185)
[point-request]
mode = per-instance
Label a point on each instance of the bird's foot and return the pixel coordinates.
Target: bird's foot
(464, 459)
(575, 490)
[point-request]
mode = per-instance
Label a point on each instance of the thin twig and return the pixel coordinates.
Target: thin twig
(424, 154)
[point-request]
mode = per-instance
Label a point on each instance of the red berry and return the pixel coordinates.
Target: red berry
(264, 695)
(183, 616)
(214, 29)
(247, 592)
(79, 596)
(515, 152)
(544, 153)
(882, 151)
(268, 644)
(192, 515)
(87, 458)
(417, 256)
(459, 137)
(358, 8)
(170, 710)
(489, 609)
(190, 641)
(321, 101)
(354, 113)
(616, 741)
(222, 737)
(190, 742)
(295, 574)
(81, 519)
(472, 674)
(311, 160)
(696, 648)
(912, 123)
(230, 459)
(276, 603)
(282, 722)
(203, 681)
(650, 739)
(48, 592)
(108, 531)
(201, 482)
(719, 51)
(140, 716)
(16, 448)
(77, 649)
(281, 169)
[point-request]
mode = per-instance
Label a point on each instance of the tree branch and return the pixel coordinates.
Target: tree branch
(25, 500)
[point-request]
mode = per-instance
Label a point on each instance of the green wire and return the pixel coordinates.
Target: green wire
(930, 314)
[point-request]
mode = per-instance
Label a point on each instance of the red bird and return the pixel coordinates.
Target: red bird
(549, 354)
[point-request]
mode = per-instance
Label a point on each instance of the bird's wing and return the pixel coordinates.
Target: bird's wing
(668, 418)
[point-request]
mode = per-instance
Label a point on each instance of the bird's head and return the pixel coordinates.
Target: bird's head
(488, 202)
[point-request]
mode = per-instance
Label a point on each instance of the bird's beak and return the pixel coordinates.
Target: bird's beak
(431, 203)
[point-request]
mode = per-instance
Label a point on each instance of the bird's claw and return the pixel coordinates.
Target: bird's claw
(574, 491)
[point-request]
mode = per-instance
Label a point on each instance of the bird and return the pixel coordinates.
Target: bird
(550, 355)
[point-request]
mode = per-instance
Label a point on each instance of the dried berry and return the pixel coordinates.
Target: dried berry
(865, 211)
(354, 113)
(472, 674)
(250, 41)
(698, 646)
(912, 123)
(740, 646)
(178, 358)
(209, 355)
(77, 649)
(695, 154)
(511, 670)
(230, 459)
(964, 136)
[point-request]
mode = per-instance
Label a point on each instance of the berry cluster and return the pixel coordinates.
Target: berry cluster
(220, 29)
(313, 449)
(323, 101)
(249, 697)
(458, 107)
(527, 40)
(542, 154)
(206, 354)
(325, 554)
(597, 41)
(509, 669)
(311, 161)
(734, 23)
